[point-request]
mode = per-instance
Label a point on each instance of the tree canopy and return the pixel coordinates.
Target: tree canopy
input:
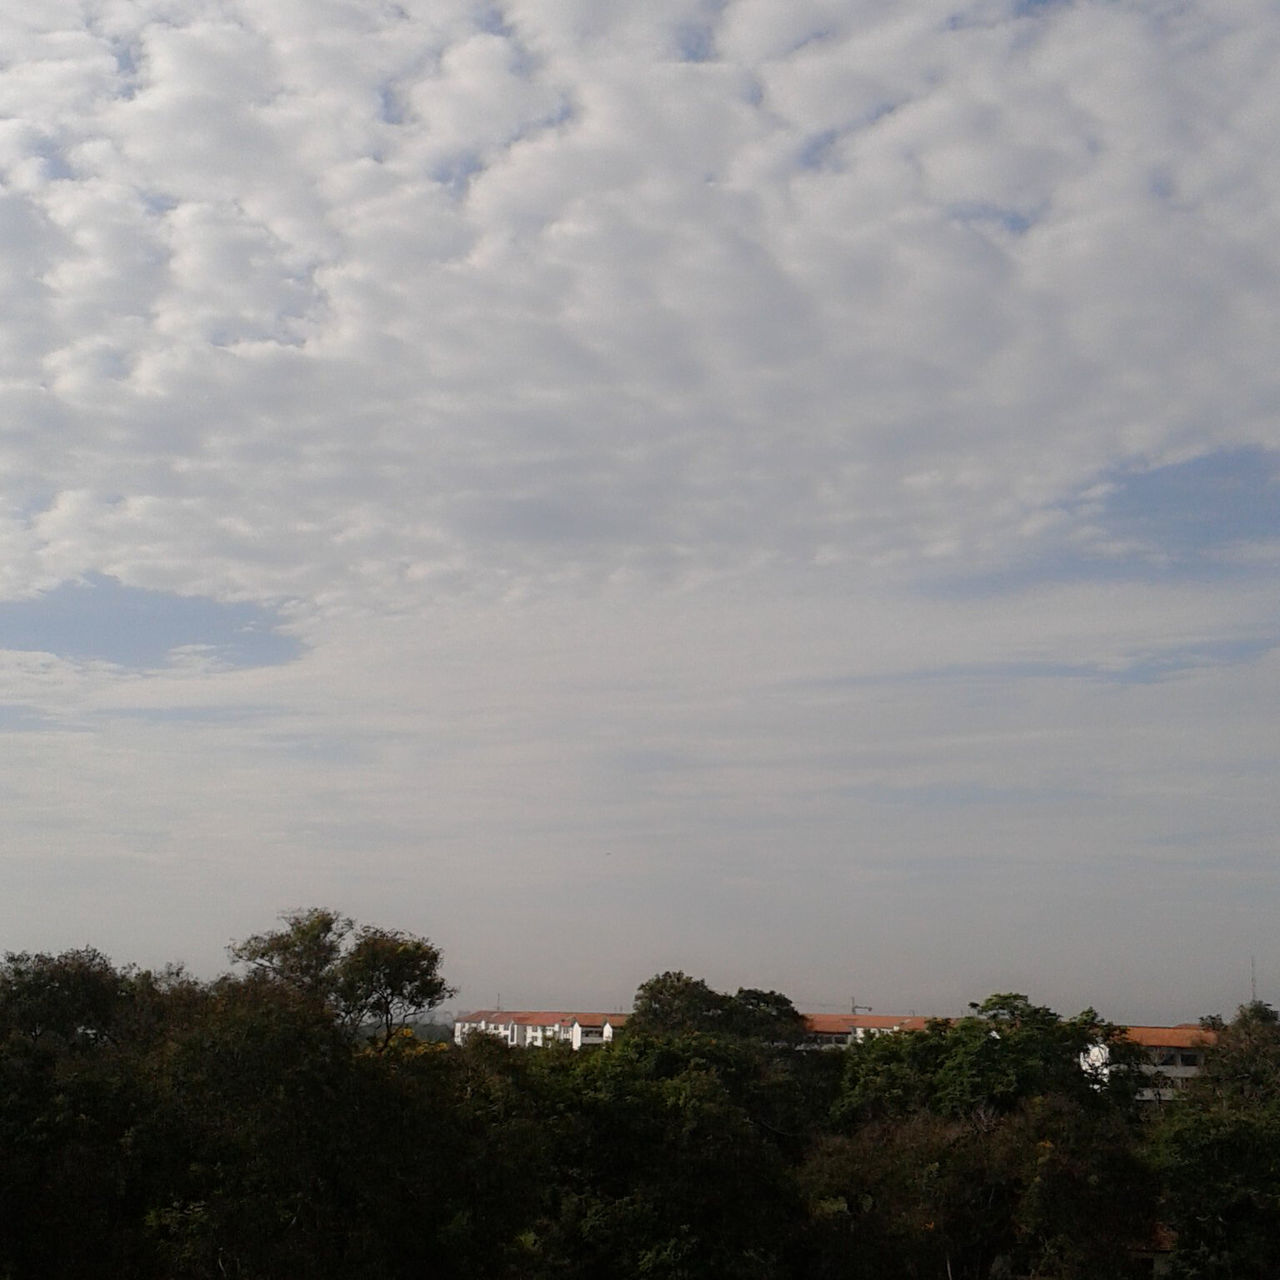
(372, 978)
(673, 1003)
(283, 1120)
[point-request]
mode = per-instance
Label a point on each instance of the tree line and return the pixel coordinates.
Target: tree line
(283, 1120)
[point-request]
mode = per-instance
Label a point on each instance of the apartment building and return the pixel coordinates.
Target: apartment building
(535, 1029)
(1174, 1055)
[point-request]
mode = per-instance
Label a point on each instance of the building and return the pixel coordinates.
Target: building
(535, 1029)
(839, 1030)
(1174, 1055)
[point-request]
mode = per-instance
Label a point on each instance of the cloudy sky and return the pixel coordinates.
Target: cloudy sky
(783, 489)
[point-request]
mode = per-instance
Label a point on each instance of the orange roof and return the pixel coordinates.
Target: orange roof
(1187, 1035)
(539, 1017)
(844, 1023)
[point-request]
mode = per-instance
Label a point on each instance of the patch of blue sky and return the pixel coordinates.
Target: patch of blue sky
(1211, 518)
(457, 171)
(1148, 667)
(696, 42)
(56, 166)
(561, 114)
(1015, 221)
(1029, 8)
(100, 619)
(961, 19)
(817, 36)
(129, 57)
(491, 20)
(391, 106)
(186, 715)
(16, 718)
(159, 202)
(1202, 506)
(819, 151)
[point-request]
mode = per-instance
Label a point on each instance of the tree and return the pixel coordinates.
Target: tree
(304, 955)
(71, 1099)
(764, 1015)
(367, 975)
(74, 997)
(1219, 1151)
(673, 1003)
(662, 1164)
(982, 1144)
(387, 978)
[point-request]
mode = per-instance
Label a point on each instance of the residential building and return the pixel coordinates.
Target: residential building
(1174, 1055)
(535, 1029)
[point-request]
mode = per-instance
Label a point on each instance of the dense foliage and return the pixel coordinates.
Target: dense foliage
(284, 1120)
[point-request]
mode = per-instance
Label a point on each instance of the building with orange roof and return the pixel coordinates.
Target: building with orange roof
(1174, 1055)
(838, 1030)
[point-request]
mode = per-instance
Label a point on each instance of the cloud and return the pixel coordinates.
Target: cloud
(704, 429)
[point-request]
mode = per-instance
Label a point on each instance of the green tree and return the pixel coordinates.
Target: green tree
(673, 1003)
(366, 977)
(1219, 1152)
(303, 956)
(982, 1144)
(387, 978)
(70, 1099)
(75, 997)
(662, 1165)
(764, 1015)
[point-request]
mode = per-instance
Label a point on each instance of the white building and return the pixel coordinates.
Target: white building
(535, 1029)
(1174, 1055)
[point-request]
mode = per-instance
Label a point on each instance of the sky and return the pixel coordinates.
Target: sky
(787, 491)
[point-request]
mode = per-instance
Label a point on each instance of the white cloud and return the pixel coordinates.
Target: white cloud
(582, 381)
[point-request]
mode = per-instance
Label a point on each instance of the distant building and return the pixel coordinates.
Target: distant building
(525, 1028)
(839, 1030)
(535, 1029)
(1174, 1055)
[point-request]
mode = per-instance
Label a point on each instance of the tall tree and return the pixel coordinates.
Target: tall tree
(673, 1003)
(367, 977)
(388, 978)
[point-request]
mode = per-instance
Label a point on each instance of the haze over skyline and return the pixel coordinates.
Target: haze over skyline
(785, 491)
